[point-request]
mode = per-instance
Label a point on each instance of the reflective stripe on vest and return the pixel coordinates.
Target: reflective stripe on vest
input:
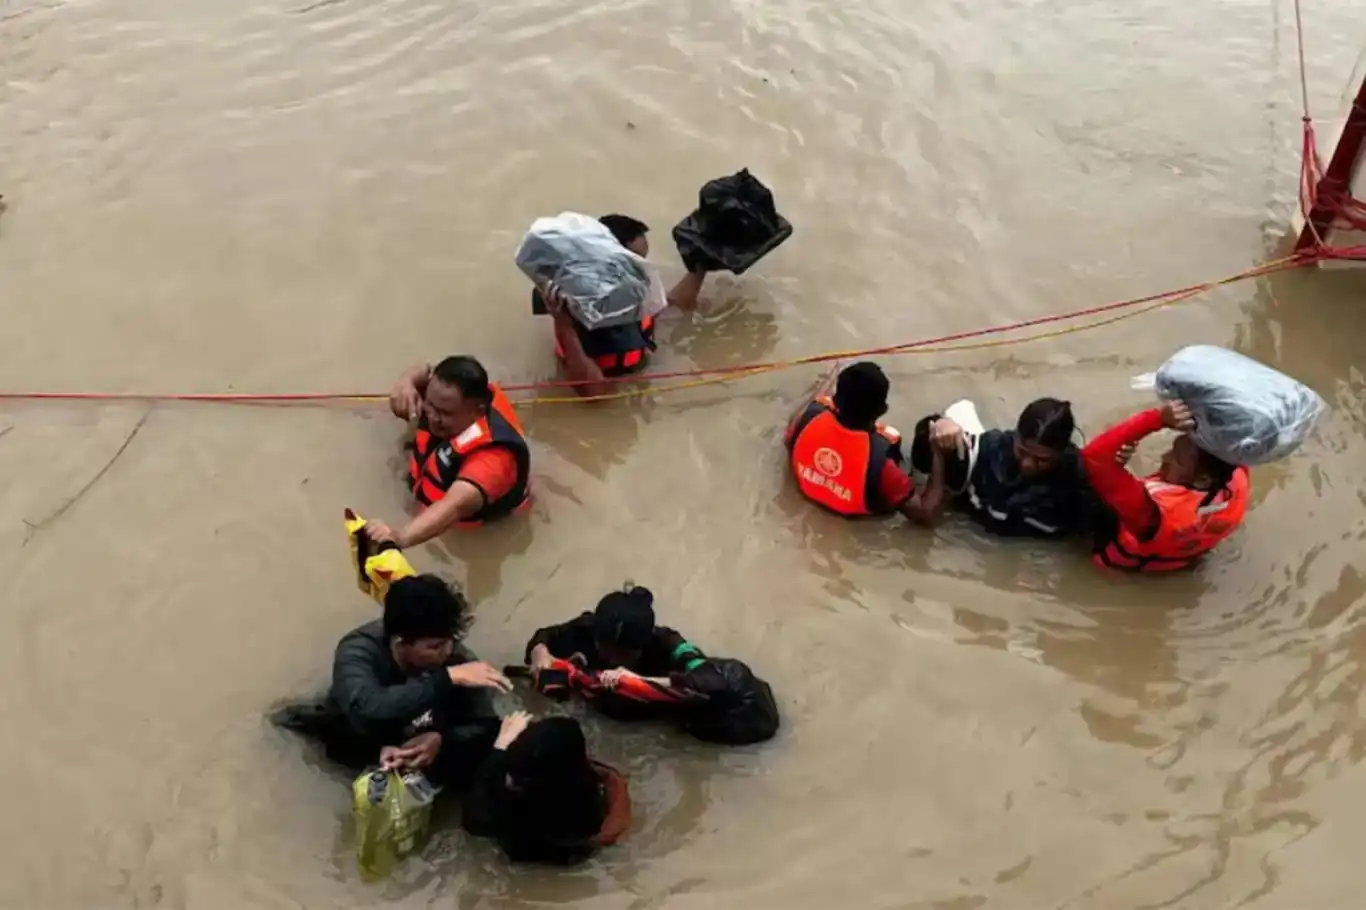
(838, 468)
(1187, 529)
(433, 465)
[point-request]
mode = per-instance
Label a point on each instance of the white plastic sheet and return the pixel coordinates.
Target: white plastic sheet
(1245, 412)
(604, 284)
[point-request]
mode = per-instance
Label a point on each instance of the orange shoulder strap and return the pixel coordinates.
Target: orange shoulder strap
(503, 405)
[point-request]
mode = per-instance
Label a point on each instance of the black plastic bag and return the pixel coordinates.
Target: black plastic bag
(739, 709)
(735, 226)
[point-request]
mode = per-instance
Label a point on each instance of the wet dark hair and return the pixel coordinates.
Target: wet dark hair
(861, 393)
(466, 374)
(559, 796)
(424, 606)
(625, 618)
(626, 229)
(1049, 422)
(1220, 473)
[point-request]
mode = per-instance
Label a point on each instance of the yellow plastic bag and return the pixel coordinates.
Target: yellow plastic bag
(377, 566)
(392, 813)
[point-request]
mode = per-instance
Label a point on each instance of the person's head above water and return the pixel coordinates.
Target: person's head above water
(861, 395)
(623, 624)
(423, 616)
(549, 769)
(1185, 464)
(457, 395)
(630, 232)
(1043, 435)
(545, 749)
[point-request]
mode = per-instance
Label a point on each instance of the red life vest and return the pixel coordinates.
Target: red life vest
(839, 468)
(434, 464)
(1188, 529)
(619, 350)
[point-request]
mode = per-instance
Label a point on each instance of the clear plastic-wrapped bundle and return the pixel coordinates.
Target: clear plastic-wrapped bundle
(1245, 413)
(603, 283)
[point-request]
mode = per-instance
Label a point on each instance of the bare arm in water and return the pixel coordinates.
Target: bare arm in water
(582, 369)
(684, 294)
(925, 504)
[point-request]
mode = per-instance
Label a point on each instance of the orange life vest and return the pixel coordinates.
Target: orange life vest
(434, 464)
(839, 468)
(616, 352)
(618, 806)
(1188, 529)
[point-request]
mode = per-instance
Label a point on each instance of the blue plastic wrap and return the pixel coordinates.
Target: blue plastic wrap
(1245, 412)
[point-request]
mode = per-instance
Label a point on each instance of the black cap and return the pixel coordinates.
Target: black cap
(625, 618)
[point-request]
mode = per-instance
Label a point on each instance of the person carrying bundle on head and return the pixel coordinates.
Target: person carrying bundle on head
(559, 253)
(1230, 412)
(1170, 519)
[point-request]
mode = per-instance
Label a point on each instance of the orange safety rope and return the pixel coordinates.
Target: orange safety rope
(1118, 310)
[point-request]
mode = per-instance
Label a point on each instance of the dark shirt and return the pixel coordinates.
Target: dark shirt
(667, 651)
(1005, 502)
(666, 654)
(493, 810)
(382, 704)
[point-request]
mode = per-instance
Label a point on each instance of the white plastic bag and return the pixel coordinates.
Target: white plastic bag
(964, 413)
(1245, 413)
(604, 284)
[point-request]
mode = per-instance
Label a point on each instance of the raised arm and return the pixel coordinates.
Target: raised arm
(405, 399)
(1104, 462)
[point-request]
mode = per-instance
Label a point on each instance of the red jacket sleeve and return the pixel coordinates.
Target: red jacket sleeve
(895, 485)
(1117, 488)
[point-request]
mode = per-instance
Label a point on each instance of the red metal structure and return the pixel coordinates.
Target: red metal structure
(1326, 202)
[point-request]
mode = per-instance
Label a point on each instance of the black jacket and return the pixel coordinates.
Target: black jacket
(667, 651)
(1005, 502)
(736, 708)
(667, 654)
(493, 810)
(380, 703)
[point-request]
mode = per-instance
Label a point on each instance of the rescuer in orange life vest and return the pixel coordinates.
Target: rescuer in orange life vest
(591, 356)
(1170, 519)
(469, 462)
(846, 461)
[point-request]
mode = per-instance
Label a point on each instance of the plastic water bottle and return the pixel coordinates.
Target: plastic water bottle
(377, 787)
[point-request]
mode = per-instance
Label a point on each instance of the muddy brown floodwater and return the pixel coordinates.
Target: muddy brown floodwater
(284, 196)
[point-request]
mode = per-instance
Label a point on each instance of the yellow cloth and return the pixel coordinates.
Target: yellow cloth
(375, 571)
